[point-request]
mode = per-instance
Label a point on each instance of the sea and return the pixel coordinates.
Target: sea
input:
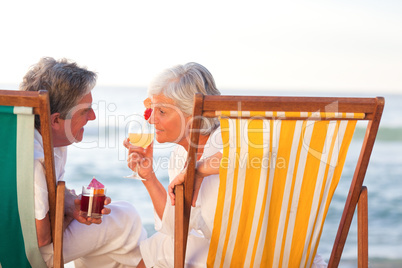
(102, 155)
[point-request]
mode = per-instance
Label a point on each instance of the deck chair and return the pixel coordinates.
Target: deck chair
(282, 161)
(18, 241)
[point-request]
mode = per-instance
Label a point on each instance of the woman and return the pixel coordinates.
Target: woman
(172, 95)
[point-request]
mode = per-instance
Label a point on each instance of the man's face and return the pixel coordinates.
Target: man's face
(72, 129)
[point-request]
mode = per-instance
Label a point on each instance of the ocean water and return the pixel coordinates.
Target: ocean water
(101, 154)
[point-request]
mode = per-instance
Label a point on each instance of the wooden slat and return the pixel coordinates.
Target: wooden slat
(25, 98)
(307, 104)
(59, 220)
(362, 229)
(181, 233)
(179, 251)
(356, 185)
(46, 132)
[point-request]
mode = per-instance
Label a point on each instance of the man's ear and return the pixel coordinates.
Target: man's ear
(55, 121)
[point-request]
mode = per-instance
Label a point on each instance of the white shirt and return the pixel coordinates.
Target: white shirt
(157, 251)
(202, 215)
(41, 192)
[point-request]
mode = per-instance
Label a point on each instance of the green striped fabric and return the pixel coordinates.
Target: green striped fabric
(18, 243)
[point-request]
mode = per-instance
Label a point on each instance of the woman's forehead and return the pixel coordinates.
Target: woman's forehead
(158, 100)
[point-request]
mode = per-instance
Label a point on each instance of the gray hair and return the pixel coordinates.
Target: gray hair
(64, 80)
(180, 83)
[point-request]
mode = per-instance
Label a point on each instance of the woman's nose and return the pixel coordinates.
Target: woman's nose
(151, 119)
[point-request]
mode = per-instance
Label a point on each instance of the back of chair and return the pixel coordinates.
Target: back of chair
(19, 245)
(282, 161)
(278, 177)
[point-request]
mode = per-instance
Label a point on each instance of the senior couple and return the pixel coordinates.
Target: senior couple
(119, 239)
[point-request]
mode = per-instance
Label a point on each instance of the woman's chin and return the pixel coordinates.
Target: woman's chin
(159, 139)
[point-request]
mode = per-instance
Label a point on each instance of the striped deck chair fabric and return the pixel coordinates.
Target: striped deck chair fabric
(282, 161)
(277, 179)
(19, 245)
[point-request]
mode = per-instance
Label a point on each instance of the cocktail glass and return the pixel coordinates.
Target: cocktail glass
(141, 134)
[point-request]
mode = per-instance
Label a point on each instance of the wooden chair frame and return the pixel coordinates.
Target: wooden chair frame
(40, 103)
(205, 106)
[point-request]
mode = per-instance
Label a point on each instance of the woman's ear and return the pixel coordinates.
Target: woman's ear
(55, 121)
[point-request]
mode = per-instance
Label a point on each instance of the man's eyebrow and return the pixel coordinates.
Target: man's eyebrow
(89, 107)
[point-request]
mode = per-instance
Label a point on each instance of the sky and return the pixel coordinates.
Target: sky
(349, 46)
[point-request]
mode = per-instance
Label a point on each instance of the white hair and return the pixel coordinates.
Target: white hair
(180, 83)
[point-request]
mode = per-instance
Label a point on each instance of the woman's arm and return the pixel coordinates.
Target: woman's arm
(209, 165)
(157, 193)
(204, 168)
(140, 160)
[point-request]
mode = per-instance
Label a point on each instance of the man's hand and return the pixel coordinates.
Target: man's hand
(89, 221)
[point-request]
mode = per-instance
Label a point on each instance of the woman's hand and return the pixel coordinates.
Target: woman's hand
(180, 180)
(140, 159)
(89, 221)
(176, 181)
(204, 168)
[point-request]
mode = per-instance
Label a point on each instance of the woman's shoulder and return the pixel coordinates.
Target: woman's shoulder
(178, 155)
(214, 143)
(177, 161)
(179, 150)
(216, 133)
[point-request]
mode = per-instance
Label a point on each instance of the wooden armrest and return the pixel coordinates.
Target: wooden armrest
(362, 227)
(59, 220)
(179, 227)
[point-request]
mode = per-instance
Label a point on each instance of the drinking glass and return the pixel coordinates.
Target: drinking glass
(141, 134)
(92, 202)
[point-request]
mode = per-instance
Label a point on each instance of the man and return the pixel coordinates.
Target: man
(109, 242)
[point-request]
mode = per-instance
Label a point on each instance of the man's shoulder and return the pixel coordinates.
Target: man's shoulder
(59, 152)
(38, 146)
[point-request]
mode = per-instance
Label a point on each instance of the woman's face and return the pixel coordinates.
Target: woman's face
(170, 123)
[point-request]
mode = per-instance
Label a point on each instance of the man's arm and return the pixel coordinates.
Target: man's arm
(43, 231)
(69, 207)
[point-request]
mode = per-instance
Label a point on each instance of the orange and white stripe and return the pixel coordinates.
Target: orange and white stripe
(277, 179)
